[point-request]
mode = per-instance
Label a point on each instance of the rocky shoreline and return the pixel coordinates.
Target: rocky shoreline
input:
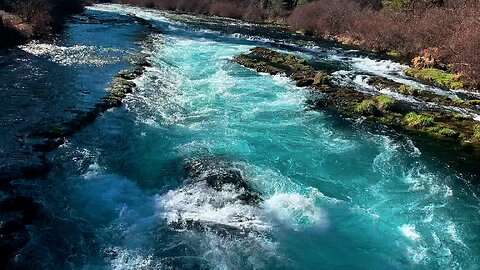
(439, 121)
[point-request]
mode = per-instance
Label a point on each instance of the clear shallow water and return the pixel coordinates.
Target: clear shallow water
(336, 194)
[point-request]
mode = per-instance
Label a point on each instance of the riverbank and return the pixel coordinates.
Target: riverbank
(23, 21)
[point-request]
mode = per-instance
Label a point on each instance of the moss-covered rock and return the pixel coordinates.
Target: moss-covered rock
(384, 102)
(366, 107)
(415, 120)
(436, 76)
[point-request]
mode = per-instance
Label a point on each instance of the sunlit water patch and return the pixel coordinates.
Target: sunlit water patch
(75, 55)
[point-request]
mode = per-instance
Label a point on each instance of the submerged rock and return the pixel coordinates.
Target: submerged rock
(15, 213)
(49, 138)
(217, 174)
(215, 198)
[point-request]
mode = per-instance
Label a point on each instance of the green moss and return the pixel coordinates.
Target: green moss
(366, 107)
(436, 76)
(447, 132)
(418, 121)
(385, 102)
(474, 102)
(476, 132)
(393, 54)
(443, 131)
(458, 101)
(408, 90)
(459, 116)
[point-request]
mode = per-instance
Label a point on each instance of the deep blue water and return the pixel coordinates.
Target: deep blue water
(336, 193)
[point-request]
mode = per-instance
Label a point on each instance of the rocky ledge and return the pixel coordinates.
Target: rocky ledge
(440, 121)
(16, 212)
(49, 138)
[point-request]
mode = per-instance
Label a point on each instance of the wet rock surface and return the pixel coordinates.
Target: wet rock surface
(218, 173)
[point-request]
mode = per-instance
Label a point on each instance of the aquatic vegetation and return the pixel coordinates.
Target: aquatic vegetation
(443, 131)
(393, 54)
(460, 116)
(385, 102)
(418, 120)
(476, 132)
(366, 107)
(474, 102)
(436, 76)
(408, 90)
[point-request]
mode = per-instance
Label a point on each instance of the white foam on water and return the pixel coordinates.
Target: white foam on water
(409, 232)
(126, 259)
(428, 182)
(454, 234)
(417, 255)
(296, 211)
(74, 55)
(198, 202)
(286, 203)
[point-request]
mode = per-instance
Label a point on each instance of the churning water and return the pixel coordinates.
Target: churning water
(305, 189)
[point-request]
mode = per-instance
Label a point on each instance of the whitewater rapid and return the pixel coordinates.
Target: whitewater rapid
(283, 186)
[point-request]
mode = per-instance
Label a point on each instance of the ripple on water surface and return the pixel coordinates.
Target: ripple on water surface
(328, 192)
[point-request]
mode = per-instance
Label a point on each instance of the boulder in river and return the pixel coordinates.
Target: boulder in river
(218, 173)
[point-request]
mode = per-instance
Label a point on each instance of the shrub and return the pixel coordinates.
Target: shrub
(418, 121)
(325, 18)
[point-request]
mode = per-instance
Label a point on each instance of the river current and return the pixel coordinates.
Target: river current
(335, 193)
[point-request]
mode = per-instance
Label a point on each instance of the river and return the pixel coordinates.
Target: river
(333, 193)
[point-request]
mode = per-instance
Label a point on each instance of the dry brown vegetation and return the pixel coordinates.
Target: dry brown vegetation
(446, 35)
(435, 33)
(42, 16)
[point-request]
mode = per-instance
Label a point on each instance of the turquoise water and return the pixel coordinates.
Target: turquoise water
(336, 193)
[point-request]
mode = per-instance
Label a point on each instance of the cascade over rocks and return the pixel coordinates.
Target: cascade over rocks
(217, 174)
(436, 121)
